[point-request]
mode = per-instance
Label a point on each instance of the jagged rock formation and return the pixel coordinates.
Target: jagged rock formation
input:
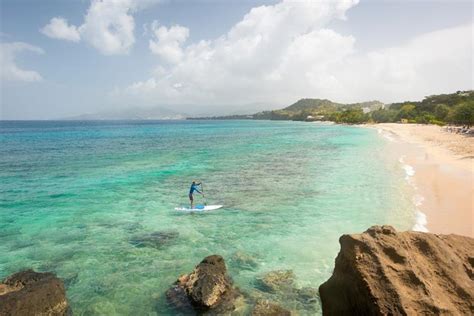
(208, 289)
(32, 293)
(384, 272)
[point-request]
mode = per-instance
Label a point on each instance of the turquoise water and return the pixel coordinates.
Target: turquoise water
(75, 196)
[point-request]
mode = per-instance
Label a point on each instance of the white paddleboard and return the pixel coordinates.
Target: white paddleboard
(199, 208)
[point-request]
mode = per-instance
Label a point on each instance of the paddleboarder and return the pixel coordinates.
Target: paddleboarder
(194, 188)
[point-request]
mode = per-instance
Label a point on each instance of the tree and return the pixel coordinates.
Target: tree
(353, 116)
(407, 111)
(384, 115)
(441, 111)
(462, 114)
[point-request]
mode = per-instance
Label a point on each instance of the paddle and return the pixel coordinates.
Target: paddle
(202, 189)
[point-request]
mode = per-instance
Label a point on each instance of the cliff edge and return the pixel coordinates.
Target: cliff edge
(384, 272)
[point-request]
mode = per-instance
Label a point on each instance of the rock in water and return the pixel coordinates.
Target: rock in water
(267, 308)
(207, 289)
(384, 272)
(277, 281)
(31, 293)
(243, 260)
(156, 240)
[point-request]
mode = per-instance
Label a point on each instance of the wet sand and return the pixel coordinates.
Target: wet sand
(443, 165)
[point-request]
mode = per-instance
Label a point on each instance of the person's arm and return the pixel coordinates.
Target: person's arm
(198, 191)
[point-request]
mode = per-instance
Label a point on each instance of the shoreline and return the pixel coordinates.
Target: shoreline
(440, 167)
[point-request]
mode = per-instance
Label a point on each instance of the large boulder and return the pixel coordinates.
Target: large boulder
(32, 293)
(208, 288)
(384, 272)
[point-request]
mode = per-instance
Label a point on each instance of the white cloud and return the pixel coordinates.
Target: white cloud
(108, 25)
(439, 61)
(168, 42)
(58, 28)
(9, 70)
(277, 54)
(274, 53)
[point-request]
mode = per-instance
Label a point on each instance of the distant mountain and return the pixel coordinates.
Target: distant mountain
(132, 113)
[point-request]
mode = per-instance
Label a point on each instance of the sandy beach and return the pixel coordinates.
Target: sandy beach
(441, 169)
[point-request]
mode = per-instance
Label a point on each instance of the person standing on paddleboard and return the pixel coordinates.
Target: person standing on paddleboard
(193, 189)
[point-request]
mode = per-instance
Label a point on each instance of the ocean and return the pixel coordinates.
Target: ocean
(81, 199)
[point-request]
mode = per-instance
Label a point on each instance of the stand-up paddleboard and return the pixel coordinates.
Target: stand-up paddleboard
(199, 208)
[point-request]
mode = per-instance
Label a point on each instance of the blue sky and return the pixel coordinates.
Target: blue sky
(202, 56)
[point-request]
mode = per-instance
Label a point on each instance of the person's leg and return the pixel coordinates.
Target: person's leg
(191, 199)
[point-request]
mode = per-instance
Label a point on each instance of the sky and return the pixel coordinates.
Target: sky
(61, 58)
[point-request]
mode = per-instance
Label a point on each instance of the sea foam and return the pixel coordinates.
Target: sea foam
(420, 217)
(387, 135)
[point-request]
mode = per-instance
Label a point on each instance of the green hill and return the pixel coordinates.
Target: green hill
(455, 108)
(312, 105)
(305, 109)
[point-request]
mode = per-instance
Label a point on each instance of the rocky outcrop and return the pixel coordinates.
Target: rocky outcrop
(33, 293)
(384, 272)
(207, 289)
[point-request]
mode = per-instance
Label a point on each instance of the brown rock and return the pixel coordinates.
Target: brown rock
(382, 272)
(207, 289)
(32, 293)
(267, 308)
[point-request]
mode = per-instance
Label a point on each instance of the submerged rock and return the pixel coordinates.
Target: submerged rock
(307, 295)
(275, 281)
(384, 272)
(207, 289)
(266, 308)
(280, 286)
(156, 240)
(243, 260)
(32, 293)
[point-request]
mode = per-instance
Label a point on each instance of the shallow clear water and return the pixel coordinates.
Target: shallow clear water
(75, 195)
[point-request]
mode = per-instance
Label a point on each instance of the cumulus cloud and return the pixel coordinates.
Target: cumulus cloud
(9, 70)
(108, 25)
(167, 42)
(273, 52)
(58, 28)
(279, 53)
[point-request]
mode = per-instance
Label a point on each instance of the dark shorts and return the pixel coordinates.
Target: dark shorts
(190, 196)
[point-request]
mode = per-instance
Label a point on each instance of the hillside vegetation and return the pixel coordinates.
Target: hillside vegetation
(316, 109)
(455, 108)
